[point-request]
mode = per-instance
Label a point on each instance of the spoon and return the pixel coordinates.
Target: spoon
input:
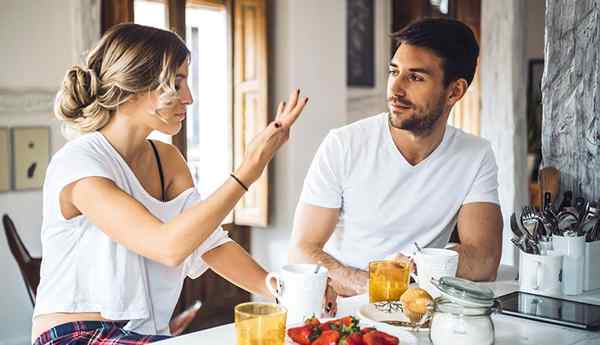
(318, 267)
(418, 248)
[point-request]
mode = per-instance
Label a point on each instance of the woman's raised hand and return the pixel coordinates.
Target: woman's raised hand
(264, 145)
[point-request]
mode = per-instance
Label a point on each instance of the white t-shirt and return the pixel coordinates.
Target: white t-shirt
(386, 203)
(83, 270)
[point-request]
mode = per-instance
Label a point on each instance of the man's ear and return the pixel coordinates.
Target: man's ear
(458, 88)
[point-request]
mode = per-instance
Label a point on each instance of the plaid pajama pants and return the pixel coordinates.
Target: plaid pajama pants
(94, 333)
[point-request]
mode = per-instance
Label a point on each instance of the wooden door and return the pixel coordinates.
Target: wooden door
(250, 100)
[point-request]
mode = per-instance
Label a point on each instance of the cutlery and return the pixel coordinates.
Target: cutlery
(418, 248)
(518, 244)
(318, 267)
(529, 221)
(424, 323)
(514, 226)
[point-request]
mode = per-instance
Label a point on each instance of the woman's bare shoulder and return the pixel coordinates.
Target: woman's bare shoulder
(177, 174)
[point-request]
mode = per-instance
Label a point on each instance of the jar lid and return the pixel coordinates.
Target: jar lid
(464, 292)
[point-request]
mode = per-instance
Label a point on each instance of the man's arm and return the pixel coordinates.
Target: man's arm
(480, 248)
(313, 225)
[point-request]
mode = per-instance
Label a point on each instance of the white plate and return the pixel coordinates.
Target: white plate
(369, 312)
(405, 337)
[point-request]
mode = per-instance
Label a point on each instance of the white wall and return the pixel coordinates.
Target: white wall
(307, 50)
(38, 45)
(503, 88)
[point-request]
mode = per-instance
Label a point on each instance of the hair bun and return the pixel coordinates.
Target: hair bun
(76, 101)
(85, 83)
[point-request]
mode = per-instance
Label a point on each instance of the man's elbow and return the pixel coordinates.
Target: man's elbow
(294, 254)
(491, 269)
(300, 252)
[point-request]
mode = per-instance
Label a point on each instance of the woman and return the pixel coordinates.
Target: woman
(123, 225)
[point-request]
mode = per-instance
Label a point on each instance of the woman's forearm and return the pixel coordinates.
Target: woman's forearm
(187, 231)
(233, 263)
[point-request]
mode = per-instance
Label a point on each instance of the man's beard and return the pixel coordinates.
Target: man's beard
(420, 123)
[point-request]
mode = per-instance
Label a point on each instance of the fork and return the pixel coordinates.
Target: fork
(530, 221)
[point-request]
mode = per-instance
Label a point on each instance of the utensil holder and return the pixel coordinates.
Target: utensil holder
(573, 251)
(591, 270)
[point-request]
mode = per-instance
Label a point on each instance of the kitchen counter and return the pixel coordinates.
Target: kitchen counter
(509, 330)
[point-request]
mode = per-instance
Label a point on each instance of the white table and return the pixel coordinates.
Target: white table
(509, 330)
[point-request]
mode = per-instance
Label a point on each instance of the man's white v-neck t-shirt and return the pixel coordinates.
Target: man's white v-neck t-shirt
(386, 203)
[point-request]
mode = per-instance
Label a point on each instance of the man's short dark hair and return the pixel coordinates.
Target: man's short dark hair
(449, 39)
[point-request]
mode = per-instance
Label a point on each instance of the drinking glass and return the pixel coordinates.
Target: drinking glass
(388, 279)
(260, 324)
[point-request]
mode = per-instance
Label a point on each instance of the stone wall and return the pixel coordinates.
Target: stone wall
(571, 94)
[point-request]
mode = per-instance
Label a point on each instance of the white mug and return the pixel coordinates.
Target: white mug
(434, 263)
(300, 290)
(573, 251)
(540, 274)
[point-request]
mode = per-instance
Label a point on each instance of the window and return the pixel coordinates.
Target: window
(152, 13)
(230, 95)
(209, 130)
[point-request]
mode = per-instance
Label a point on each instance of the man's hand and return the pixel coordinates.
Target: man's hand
(330, 304)
(347, 288)
(313, 226)
(404, 258)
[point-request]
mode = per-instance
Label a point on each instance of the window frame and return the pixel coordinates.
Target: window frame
(253, 209)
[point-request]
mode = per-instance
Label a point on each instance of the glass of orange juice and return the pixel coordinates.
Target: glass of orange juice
(260, 324)
(388, 279)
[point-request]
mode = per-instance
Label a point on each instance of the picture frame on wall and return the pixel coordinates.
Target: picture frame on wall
(534, 105)
(5, 161)
(360, 50)
(30, 156)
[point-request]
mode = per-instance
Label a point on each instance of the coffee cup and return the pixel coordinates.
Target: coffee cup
(434, 263)
(300, 288)
(540, 274)
(573, 251)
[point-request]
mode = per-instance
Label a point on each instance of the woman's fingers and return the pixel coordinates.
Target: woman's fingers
(288, 112)
(280, 108)
(288, 119)
(292, 100)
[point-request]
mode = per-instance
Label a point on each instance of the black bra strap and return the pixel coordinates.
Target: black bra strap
(160, 171)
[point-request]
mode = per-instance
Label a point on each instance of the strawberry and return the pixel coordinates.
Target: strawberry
(313, 321)
(352, 339)
(367, 330)
(349, 321)
(333, 324)
(329, 337)
(379, 338)
(303, 335)
(347, 324)
(389, 339)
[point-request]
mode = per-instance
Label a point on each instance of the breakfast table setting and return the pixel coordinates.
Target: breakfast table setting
(505, 329)
(551, 297)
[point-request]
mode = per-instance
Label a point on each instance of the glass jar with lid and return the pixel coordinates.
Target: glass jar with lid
(462, 314)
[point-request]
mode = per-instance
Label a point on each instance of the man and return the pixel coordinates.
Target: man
(405, 176)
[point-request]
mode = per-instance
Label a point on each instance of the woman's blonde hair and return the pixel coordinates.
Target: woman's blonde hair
(129, 59)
